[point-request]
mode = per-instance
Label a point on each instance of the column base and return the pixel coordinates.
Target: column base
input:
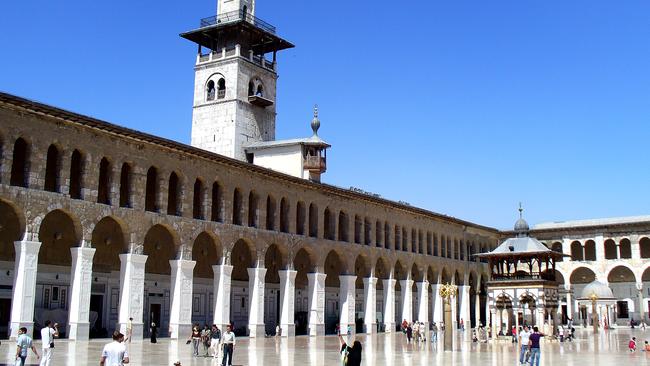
(79, 331)
(316, 330)
(17, 325)
(389, 327)
(371, 328)
(288, 330)
(256, 330)
(137, 329)
(179, 331)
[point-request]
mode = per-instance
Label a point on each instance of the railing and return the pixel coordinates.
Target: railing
(221, 94)
(235, 16)
(522, 277)
(314, 163)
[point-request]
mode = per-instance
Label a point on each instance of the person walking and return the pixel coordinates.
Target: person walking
(462, 325)
(524, 338)
(153, 332)
(205, 340)
(229, 346)
(23, 345)
(215, 341)
(195, 338)
(434, 333)
(423, 332)
(514, 334)
(560, 333)
(533, 342)
(115, 353)
(129, 330)
(48, 333)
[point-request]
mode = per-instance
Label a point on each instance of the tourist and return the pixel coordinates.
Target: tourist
(278, 331)
(405, 324)
(153, 332)
(434, 333)
(205, 340)
(533, 342)
(474, 336)
(215, 341)
(195, 339)
(423, 332)
(632, 344)
(115, 353)
(462, 325)
(524, 338)
(228, 346)
(514, 334)
(23, 344)
(350, 356)
(48, 333)
(129, 330)
(416, 331)
(409, 333)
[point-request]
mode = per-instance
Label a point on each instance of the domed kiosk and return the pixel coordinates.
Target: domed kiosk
(599, 301)
(522, 288)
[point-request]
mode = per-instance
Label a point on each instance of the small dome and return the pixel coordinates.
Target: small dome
(599, 289)
(521, 226)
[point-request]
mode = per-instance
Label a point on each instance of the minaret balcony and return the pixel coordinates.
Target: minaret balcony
(315, 163)
(259, 101)
(236, 16)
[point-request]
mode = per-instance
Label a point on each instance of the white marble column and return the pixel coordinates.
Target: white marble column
(222, 288)
(494, 320)
(423, 306)
(81, 275)
(407, 300)
(454, 312)
(569, 302)
(389, 303)
(256, 327)
(287, 302)
(347, 302)
(437, 305)
(182, 284)
(132, 293)
(477, 311)
(316, 303)
(24, 289)
(370, 298)
(464, 307)
(639, 287)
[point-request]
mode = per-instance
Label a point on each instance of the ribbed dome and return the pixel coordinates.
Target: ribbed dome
(521, 226)
(599, 289)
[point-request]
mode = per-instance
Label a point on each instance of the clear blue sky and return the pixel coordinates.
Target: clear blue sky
(461, 107)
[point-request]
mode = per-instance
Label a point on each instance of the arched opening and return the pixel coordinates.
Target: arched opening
(253, 206)
(386, 236)
(221, 88)
(443, 246)
(429, 243)
(76, 174)
(400, 275)
(251, 88)
(173, 195)
(20, 164)
(329, 225)
(109, 242)
(284, 215)
(626, 249)
(405, 240)
(398, 239)
(12, 228)
(274, 262)
(303, 264)
(125, 186)
(242, 258)
(582, 275)
(216, 213)
(58, 233)
(160, 248)
(300, 218)
(557, 247)
(313, 221)
(362, 271)
(379, 235)
(621, 274)
(333, 269)
(414, 241)
(197, 202)
(357, 229)
(245, 11)
(367, 231)
(436, 248)
(590, 250)
(576, 251)
(151, 195)
(104, 186)
(644, 246)
(206, 251)
(610, 249)
(344, 223)
(52, 168)
(260, 90)
(270, 213)
(417, 276)
(382, 273)
(210, 90)
(237, 207)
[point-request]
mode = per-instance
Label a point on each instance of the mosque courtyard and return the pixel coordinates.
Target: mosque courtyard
(609, 348)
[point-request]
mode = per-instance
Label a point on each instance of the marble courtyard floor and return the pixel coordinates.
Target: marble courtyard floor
(609, 349)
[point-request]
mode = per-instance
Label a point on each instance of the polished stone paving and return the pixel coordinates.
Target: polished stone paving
(609, 348)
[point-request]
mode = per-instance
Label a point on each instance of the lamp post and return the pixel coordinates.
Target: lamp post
(446, 292)
(594, 315)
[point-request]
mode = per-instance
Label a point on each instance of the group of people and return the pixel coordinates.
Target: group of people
(415, 331)
(529, 345)
(24, 343)
(632, 345)
(215, 344)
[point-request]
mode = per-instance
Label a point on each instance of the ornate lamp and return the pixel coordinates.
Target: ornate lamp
(447, 291)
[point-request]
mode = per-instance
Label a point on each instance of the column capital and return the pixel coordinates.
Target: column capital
(182, 264)
(349, 278)
(134, 258)
(226, 268)
(370, 280)
(27, 246)
(639, 286)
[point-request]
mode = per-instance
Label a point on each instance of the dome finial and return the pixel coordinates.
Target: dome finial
(315, 123)
(521, 211)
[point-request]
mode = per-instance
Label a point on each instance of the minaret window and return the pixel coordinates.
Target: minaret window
(210, 90)
(221, 91)
(260, 91)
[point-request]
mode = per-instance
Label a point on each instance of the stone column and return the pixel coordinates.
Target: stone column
(493, 318)
(316, 303)
(639, 286)
(81, 276)
(423, 306)
(347, 302)
(182, 285)
(569, 302)
(287, 302)
(222, 287)
(437, 305)
(132, 293)
(256, 327)
(24, 289)
(389, 303)
(600, 247)
(465, 308)
(370, 297)
(454, 312)
(477, 311)
(407, 300)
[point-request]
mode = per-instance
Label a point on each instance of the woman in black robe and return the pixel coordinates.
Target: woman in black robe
(153, 330)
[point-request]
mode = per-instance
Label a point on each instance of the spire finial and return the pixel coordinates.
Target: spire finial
(315, 123)
(521, 211)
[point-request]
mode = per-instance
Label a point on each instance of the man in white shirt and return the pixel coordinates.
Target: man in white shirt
(228, 346)
(47, 338)
(524, 336)
(114, 353)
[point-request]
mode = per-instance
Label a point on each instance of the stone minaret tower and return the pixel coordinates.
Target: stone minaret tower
(235, 81)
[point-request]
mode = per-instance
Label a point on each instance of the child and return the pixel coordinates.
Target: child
(646, 347)
(632, 344)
